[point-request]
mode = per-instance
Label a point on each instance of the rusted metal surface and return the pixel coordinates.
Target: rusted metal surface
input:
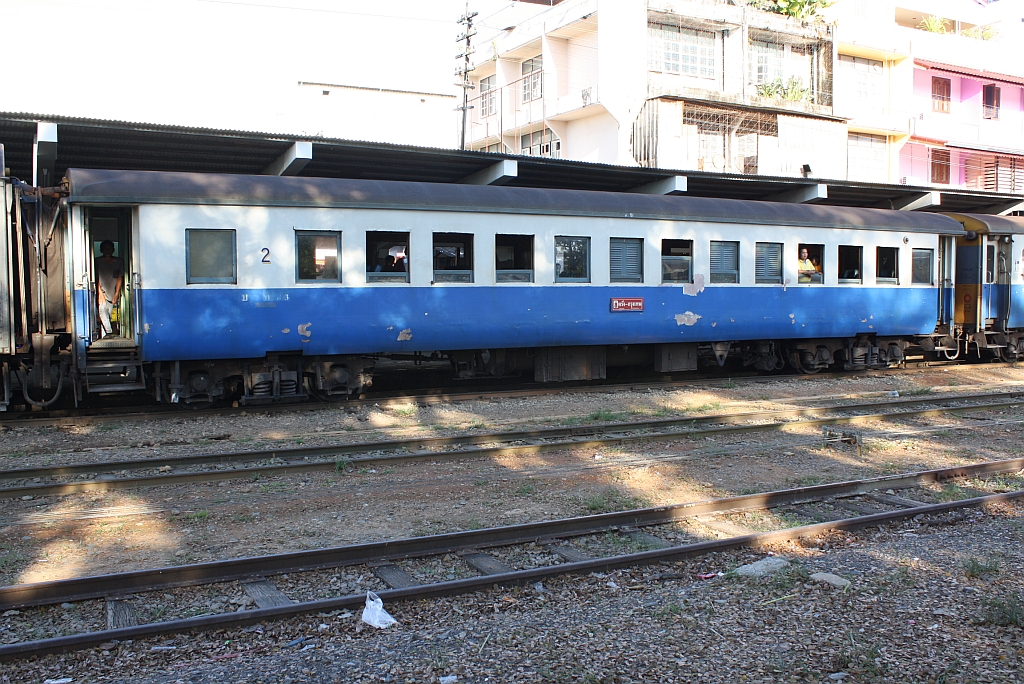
(58, 591)
(421, 449)
(240, 619)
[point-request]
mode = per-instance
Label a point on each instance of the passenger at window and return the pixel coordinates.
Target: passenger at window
(109, 271)
(807, 271)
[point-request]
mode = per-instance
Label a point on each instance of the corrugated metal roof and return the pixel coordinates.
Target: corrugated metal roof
(100, 144)
(117, 187)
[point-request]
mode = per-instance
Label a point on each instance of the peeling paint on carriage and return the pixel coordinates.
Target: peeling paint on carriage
(687, 318)
(696, 287)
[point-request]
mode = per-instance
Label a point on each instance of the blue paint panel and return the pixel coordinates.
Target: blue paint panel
(199, 323)
(1016, 307)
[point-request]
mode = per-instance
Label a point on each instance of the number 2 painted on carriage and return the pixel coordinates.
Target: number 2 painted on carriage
(266, 255)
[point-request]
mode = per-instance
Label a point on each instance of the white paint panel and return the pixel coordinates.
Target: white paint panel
(161, 244)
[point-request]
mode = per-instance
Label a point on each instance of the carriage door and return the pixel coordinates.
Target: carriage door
(110, 273)
(996, 289)
(945, 281)
(6, 272)
(1016, 287)
(969, 279)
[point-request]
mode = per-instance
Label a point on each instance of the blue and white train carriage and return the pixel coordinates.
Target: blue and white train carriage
(265, 288)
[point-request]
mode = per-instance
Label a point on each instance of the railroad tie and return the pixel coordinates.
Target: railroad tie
(816, 515)
(855, 507)
(645, 539)
(568, 553)
(485, 564)
(894, 500)
(266, 594)
(120, 614)
(394, 576)
(724, 528)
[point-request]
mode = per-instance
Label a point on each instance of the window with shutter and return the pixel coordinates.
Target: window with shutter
(725, 261)
(768, 262)
(626, 257)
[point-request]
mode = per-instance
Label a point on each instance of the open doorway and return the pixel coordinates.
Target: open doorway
(109, 240)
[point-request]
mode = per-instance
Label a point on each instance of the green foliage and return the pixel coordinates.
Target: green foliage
(976, 567)
(1008, 612)
(933, 24)
(801, 9)
(798, 9)
(980, 32)
(792, 90)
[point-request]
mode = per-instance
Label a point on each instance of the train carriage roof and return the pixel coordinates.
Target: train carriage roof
(993, 225)
(156, 187)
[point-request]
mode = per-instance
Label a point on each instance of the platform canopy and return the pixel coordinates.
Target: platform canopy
(101, 144)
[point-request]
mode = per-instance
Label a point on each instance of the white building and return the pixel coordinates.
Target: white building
(681, 84)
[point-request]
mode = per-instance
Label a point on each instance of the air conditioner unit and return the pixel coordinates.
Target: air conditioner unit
(903, 180)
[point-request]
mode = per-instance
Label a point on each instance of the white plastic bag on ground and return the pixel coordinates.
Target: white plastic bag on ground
(374, 613)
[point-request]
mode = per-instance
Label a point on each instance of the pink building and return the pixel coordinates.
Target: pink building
(966, 129)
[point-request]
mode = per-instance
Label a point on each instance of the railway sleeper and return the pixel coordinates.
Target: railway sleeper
(272, 603)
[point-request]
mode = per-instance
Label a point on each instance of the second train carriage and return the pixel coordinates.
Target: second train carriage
(264, 287)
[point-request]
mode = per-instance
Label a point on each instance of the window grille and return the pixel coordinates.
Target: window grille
(940, 165)
(677, 50)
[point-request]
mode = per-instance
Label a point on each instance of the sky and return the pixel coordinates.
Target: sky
(221, 63)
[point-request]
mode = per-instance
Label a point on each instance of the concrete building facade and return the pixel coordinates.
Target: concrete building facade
(871, 90)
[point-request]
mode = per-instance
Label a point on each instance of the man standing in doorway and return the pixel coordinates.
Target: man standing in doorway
(109, 272)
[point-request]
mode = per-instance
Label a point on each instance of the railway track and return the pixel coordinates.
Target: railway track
(492, 557)
(55, 418)
(165, 471)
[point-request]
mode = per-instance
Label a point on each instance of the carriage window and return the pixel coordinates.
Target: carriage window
(990, 264)
(453, 258)
(210, 256)
(572, 259)
(768, 262)
(725, 262)
(850, 268)
(626, 260)
(676, 257)
(921, 272)
(387, 257)
(810, 263)
(887, 265)
(513, 258)
(317, 256)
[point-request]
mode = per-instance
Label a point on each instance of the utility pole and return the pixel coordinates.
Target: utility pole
(465, 20)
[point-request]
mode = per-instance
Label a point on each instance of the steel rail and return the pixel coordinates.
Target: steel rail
(60, 591)
(455, 587)
(443, 396)
(614, 429)
(299, 453)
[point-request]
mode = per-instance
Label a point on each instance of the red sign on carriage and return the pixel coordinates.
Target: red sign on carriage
(627, 304)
